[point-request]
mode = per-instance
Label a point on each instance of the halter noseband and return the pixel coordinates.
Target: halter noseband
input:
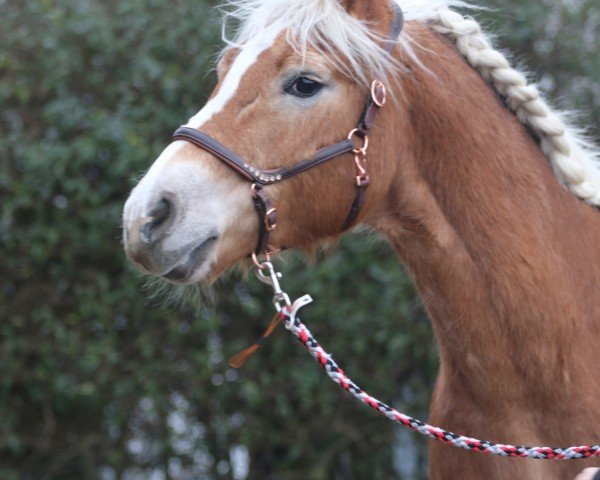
(261, 178)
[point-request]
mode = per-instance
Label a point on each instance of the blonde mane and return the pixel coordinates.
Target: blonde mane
(355, 49)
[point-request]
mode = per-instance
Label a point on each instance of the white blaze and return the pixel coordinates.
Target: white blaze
(244, 60)
(142, 200)
(190, 183)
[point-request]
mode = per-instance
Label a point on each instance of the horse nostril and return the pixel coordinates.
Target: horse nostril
(160, 213)
(150, 231)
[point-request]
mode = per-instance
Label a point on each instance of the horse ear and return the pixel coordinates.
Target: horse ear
(369, 10)
(347, 4)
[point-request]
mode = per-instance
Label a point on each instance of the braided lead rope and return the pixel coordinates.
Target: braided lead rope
(288, 315)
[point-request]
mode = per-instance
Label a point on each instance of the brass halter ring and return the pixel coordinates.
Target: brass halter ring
(375, 86)
(267, 254)
(269, 227)
(261, 265)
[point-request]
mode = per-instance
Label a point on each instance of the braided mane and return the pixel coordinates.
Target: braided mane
(574, 159)
(325, 26)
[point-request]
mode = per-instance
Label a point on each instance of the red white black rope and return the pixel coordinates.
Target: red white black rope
(288, 315)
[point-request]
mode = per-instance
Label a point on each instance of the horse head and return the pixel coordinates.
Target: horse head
(290, 83)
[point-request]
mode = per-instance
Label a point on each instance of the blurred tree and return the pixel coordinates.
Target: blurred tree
(99, 382)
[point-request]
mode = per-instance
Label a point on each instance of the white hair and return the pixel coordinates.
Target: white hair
(324, 25)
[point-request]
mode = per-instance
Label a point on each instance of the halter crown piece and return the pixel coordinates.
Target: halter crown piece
(357, 142)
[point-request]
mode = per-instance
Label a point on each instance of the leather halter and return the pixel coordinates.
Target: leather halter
(261, 178)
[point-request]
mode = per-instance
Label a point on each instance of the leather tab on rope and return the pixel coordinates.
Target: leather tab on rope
(237, 361)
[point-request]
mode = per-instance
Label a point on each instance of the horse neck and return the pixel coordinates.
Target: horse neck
(502, 254)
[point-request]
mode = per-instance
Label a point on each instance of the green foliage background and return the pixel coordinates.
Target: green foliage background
(100, 380)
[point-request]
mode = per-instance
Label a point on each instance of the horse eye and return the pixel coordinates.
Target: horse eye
(303, 87)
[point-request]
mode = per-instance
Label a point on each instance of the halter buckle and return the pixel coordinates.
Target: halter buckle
(362, 181)
(360, 166)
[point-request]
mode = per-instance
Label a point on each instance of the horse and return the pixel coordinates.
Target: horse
(485, 192)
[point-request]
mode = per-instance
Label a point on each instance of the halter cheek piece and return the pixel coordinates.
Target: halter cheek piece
(357, 143)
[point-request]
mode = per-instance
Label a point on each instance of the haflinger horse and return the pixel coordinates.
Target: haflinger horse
(487, 195)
